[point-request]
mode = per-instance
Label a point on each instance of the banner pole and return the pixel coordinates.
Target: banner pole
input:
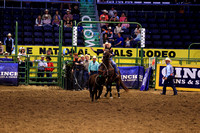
(16, 40)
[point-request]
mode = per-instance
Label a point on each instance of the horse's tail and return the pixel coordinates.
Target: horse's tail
(123, 86)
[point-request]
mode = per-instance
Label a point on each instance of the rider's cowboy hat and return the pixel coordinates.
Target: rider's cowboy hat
(107, 43)
(46, 10)
(168, 59)
(9, 34)
(105, 11)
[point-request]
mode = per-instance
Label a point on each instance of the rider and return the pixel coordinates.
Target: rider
(107, 46)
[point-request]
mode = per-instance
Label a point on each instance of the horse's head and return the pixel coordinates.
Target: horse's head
(106, 55)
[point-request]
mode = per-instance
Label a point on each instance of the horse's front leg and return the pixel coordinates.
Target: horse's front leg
(118, 91)
(106, 91)
(100, 92)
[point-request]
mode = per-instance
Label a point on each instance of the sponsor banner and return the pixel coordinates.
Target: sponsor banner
(8, 73)
(145, 82)
(186, 77)
(132, 76)
(122, 52)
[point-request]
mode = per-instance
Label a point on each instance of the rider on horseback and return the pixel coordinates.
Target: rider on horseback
(107, 46)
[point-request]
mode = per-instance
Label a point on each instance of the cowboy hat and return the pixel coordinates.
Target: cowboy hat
(68, 10)
(109, 28)
(1, 42)
(42, 56)
(87, 55)
(94, 57)
(105, 11)
(6, 53)
(168, 59)
(82, 55)
(9, 34)
(107, 43)
(75, 54)
(46, 10)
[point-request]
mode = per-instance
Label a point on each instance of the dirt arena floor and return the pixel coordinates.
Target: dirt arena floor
(30, 109)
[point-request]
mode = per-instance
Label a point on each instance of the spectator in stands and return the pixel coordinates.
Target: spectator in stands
(77, 68)
(105, 27)
(41, 68)
(122, 18)
(46, 21)
(58, 15)
(120, 41)
(109, 33)
(128, 42)
(80, 28)
(118, 29)
(9, 42)
(125, 26)
(76, 10)
(104, 15)
(111, 12)
(93, 66)
(56, 21)
(137, 28)
(138, 37)
(85, 73)
(46, 15)
(102, 20)
(115, 18)
(6, 54)
(68, 15)
(38, 21)
(49, 70)
(68, 23)
(1, 48)
(22, 51)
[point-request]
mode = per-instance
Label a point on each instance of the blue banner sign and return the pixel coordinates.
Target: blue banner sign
(9, 74)
(185, 77)
(145, 82)
(132, 76)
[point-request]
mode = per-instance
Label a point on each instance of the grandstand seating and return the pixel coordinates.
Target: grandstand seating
(28, 33)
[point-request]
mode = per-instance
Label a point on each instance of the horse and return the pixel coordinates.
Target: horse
(95, 85)
(107, 71)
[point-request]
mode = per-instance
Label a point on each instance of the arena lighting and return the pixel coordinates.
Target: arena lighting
(75, 36)
(142, 37)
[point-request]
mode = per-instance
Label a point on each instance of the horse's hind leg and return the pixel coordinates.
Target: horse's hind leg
(100, 92)
(109, 90)
(117, 87)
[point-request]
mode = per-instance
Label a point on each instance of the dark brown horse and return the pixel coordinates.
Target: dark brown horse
(106, 70)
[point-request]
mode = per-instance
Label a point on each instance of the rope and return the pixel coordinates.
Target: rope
(105, 67)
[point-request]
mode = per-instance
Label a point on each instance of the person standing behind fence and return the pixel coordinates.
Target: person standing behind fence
(9, 42)
(168, 77)
(41, 68)
(49, 70)
(93, 66)
(85, 73)
(1, 48)
(76, 70)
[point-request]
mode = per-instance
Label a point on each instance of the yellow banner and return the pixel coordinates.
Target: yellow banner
(122, 52)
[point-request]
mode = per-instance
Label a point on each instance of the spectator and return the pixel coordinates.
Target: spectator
(85, 73)
(109, 33)
(58, 15)
(105, 27)
(1, 48)
(120, 41)
(137, 28)
(80, 28)
(49, 70)
(38, 21)
(68, 15)
(138, 36)
(46, 21)
(115, 18)
(68, 23)
(118, 29)
(76, 70)
(75, 10)
(105, 38)
(56, 21)
(22, 51)
(6, 54)
(111, 12)
(41, 68)
(46, 15)
(128, 42)
(22, 66)
(9, 42)
(104, 15)
(49, 52)
(122, 18)
(102, 20)
(93, 66)
(125, 26)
